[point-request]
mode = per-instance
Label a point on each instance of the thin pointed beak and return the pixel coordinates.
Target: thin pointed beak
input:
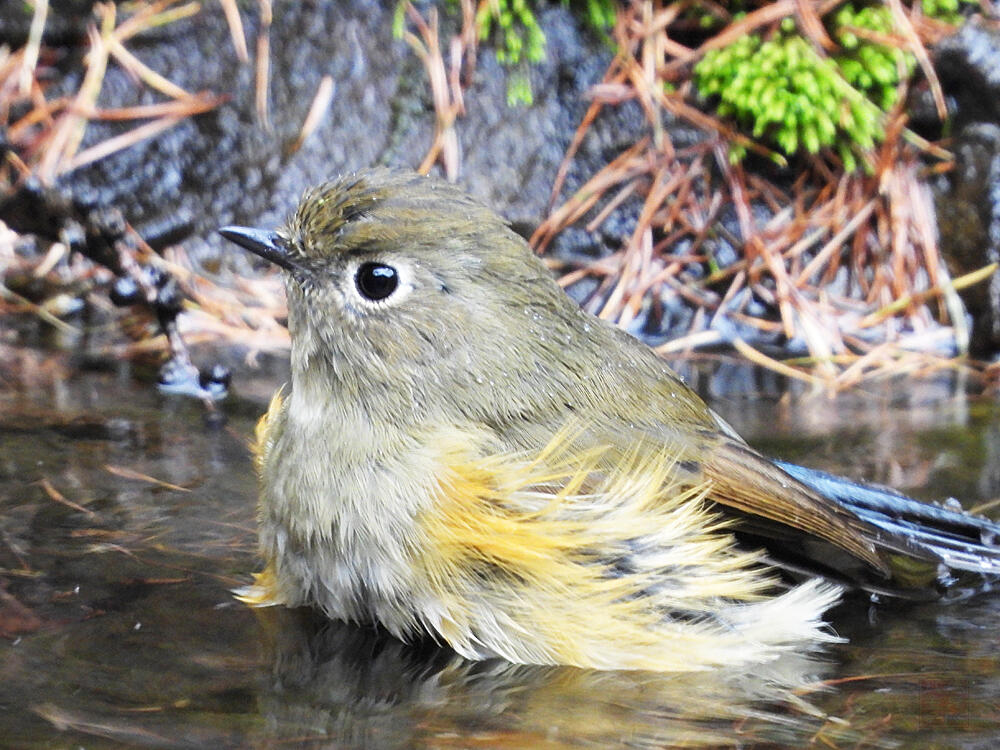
(266, 244)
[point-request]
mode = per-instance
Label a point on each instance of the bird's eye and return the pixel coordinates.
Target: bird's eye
(376, 281)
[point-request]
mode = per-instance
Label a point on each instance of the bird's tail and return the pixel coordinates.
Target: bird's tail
(960, 540)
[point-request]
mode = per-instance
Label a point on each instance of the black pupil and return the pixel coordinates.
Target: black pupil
(376, 281)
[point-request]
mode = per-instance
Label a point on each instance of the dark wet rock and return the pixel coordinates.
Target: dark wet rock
(968, 213)
(989, 481)
(510, 154)
(968, 198)
(968, 65)
(65, 22)
(58, 215)
(226, 166)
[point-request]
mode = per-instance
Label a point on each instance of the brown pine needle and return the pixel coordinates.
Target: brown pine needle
(759, 358)
(40, 311)
(317, 111)
(762, 17)
(68, 132)
(56, 495)
(154, 15)
(985, 506)
(812, 25)
(30, 58)
(901, 303)
(232, 12)
(119, 142)
(262, 77)
(446, 90)
(929, 148)
(691, 341)
(143, 72)
(196, 105)
(120, 471)
(821, 259)
(916, 47)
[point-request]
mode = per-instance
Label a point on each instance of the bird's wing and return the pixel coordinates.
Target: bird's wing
(754, 486)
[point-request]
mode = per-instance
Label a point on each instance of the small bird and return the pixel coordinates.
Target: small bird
(465, 453)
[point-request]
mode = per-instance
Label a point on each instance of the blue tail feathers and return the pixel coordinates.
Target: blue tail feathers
(960, 540)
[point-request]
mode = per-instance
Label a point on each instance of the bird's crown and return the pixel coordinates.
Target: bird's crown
(385, 209)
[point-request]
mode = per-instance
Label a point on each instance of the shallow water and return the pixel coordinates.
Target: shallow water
(127, 515)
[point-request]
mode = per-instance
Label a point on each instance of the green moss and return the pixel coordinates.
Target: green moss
(521, 41)
(600, 14)
(519, 89)
(873, 69)
(944, 10)
(519, 38)
(788, 94)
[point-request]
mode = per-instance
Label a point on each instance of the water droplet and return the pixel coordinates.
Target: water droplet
(953, 504)
(944, 575)
(988, 537)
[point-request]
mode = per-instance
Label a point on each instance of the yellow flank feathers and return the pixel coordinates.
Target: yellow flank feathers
(558, 559)
(263, 436)
(263, 592)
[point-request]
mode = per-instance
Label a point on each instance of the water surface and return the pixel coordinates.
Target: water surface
(126, 516)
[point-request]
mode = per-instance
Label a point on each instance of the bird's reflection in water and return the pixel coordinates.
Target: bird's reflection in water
(343, 686)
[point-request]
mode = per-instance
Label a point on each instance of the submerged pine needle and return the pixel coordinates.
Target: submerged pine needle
(125, 473)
